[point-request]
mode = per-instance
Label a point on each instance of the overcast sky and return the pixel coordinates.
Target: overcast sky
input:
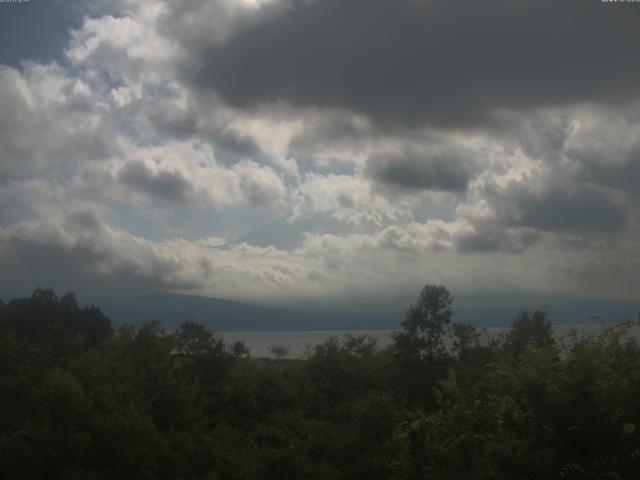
(275, 150)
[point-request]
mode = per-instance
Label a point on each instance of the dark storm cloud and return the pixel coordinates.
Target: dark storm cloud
(442, 170)
(29, 262)
(585, 209)
(433, 61)
(476, 243)
(493, 240)
(172, 124)
(619, 177)
(231, 147)
(164, 185)
(328, 131)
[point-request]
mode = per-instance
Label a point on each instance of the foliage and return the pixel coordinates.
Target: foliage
(82, 401)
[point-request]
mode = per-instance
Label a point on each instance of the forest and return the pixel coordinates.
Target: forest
(80, 399)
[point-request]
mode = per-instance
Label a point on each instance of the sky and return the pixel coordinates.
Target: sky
(320, 150)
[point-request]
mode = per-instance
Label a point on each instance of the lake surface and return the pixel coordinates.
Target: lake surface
(260, 342)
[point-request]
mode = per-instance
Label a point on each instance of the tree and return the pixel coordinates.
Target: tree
(279, 351)
(240, 349)
(419, 349)
(530, 328)
(469, 347)
(359, 346)
(424, 326)
(203, 356)
(465, 339)
(195, 339)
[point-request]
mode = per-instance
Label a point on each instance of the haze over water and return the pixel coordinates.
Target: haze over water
(300, 342)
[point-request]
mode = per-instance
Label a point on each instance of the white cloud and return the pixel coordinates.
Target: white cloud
(121, 130)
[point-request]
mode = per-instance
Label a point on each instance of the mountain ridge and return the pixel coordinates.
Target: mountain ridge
(171, 309)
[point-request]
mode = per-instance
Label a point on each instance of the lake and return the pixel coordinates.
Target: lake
(259, 342)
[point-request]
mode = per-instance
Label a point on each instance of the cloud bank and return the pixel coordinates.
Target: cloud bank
(323, 149)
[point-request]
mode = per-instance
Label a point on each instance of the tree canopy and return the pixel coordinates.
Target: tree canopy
(81, 400)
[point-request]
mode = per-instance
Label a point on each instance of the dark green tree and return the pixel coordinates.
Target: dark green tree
(529, 328)
(424, 326)
(239, 349)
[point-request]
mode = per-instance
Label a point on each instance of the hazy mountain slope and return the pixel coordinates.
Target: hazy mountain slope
(490, 310)
(171, 309)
